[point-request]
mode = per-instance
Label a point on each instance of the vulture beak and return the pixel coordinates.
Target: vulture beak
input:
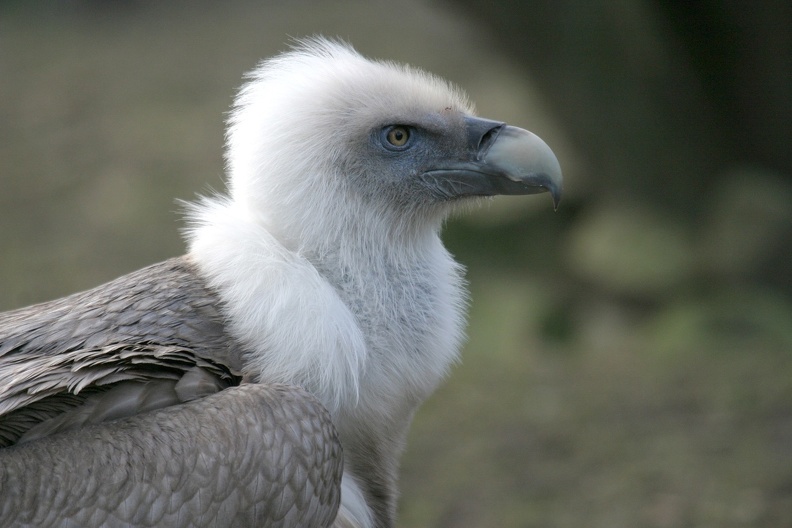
(500, 159)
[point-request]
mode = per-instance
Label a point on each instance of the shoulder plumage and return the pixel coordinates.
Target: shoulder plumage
(155, 324)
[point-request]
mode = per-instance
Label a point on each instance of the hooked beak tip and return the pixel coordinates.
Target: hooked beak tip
(527, 160)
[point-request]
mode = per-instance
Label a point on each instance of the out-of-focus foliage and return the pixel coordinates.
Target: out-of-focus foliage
(630, 356)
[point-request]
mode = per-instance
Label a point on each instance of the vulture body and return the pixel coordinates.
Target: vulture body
(269, 376)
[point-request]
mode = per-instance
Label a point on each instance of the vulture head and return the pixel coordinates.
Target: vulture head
(321, 138)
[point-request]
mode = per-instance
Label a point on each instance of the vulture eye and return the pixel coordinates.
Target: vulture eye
(397, 137)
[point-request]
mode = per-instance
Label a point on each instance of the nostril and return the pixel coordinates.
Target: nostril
(481, 134)
(489, 137)
(487, 140)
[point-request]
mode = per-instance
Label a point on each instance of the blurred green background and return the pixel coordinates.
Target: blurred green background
(629, 360)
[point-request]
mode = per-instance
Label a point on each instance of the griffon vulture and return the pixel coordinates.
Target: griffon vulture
(269, 376)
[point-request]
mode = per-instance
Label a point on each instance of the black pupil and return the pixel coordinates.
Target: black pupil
(398, 135)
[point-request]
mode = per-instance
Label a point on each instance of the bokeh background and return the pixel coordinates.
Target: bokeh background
(629, 360)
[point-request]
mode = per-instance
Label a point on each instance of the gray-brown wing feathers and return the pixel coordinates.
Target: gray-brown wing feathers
(155, 325)
(88, 392)
(251, 455)
(166, 303)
